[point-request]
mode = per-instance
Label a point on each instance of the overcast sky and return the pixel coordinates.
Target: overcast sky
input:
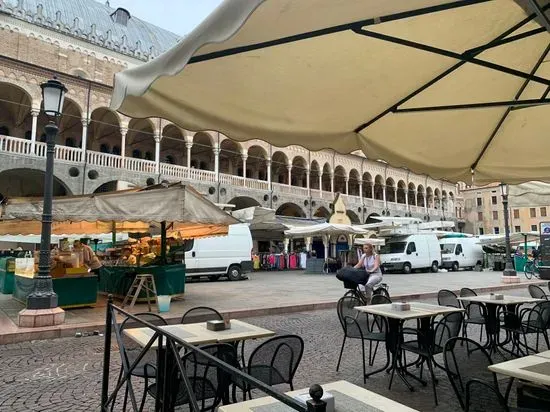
(177, 16)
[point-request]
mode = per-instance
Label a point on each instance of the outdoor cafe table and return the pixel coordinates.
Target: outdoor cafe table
(197, 334)
(533, 368)
(491, 305)
(423, 312)
(347, 396)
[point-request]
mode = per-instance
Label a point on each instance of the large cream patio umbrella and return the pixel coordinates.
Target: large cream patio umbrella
(440, 87)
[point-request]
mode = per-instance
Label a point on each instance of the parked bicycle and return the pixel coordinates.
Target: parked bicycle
(531, 268)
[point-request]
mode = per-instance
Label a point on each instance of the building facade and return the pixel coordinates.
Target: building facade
(484, 212)
(84, 43)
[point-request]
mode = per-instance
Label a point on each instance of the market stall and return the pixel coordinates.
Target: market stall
(495, 248)
(174, 210)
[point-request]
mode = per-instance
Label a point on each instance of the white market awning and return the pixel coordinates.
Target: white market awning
(453, 89)
(326, 229)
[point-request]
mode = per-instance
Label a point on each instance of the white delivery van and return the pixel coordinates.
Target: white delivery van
(403, 254)
(463, 252)
(229, 255)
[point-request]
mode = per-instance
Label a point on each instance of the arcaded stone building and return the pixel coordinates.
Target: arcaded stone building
(84, 43)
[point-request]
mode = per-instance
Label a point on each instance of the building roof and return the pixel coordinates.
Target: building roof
(96, 23)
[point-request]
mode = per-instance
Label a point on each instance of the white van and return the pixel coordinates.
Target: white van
(463, 252)
(404, 254)
(229, 255)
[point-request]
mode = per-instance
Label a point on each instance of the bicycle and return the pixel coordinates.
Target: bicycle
(531, 269)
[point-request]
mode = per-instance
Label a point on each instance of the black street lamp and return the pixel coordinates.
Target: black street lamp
(43, 295)
(509, 268)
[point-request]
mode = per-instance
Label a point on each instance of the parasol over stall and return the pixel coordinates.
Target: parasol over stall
(175, 210)
(452, 89)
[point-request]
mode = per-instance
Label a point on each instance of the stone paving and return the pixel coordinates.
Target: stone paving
(265, 292)
(65, 374)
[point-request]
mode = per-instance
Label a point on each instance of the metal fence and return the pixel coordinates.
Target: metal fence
(169, 349)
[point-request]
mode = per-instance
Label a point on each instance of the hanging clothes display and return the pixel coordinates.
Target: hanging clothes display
(292, 261)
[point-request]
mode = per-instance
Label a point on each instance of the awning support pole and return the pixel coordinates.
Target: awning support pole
(163, 242)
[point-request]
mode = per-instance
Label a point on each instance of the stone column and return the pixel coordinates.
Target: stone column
(286, 242)
(308, 182)
(407, 198)
(84, 139)
(308, 243)
(333, 247)
(372, 190)
(384, 196)
(188, 146)
(395, 195)
(326, 245)
(320, 184)
(361, 191)
(157, 138)
(425, 202)
(289, 168)
(332, 183)
(217, 151)
(34, 114)
(244, 157)
(268, 164)
(123, 131)
(347, 185)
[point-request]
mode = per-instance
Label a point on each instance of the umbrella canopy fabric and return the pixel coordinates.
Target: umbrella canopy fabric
(530, 194)
(191, 214)
(440, 87)
(327, 229)
(518, 237)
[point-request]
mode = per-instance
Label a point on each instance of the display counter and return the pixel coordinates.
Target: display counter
(73, 290)
(116, 280)
(7, 269)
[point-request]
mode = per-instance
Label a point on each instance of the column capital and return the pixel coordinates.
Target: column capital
(188, 145)
(216, 150)
(84, 121)
(35, 112)
(289, 166)
(123, 131)
(244, 156)
(158, 137)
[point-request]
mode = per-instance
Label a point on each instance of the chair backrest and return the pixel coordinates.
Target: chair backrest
(354, 323)
(465, 361)
(446, 328)
(466, 292)
(538, 316)
(380, 300)
(200, 314)
(382, 289)
(447, 298)
(537, 292)
(275, 361)
(207, 379)
(130, 349)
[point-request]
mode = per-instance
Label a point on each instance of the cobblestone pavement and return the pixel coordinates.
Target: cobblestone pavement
(65, 374)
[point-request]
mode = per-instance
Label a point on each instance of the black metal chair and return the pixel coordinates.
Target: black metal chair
(357, 325)
(476, 314)
(210, 383)
(536, 320)
(537, 292)
(145, 369)
(380, 300)
(273, 362)
(447, 298)
(200, 314)
(426, 347)
(475, 386)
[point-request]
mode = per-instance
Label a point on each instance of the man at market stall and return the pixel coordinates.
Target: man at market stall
(128, 258)
(89, 257)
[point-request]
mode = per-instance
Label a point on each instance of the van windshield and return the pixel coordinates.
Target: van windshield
(448, 248)
(393, 247)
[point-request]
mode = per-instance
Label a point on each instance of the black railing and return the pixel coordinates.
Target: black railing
(170, 346)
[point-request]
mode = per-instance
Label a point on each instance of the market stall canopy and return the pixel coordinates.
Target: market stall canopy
(453, 89)
(35, 239)
(191, 214)
(530, 194)
(327, 229)
(372, 241)
(519, 237)
(262, 218)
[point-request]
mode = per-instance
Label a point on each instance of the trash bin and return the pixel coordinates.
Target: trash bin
(164, 303)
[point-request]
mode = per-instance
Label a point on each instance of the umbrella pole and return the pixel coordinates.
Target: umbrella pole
(113, 234)
(163, 242)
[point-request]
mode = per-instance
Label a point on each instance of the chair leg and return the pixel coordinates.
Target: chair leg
(370, 352)
(125, 399)
(146, 383)
(545, 334)
(117, 382)
(375, 351)
(341, 351)
(430, 366)
(364, 366)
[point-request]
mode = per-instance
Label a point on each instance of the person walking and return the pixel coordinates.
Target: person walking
(370, 261)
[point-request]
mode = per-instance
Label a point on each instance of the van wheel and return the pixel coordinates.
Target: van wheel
(454, 267)
(407, 269)
(213, 278)
(478, 267)
(435, 267)
(234, 273)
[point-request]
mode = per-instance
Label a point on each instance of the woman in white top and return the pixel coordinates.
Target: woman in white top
(371, 262)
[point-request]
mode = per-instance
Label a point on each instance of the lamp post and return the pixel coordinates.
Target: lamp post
(43, 295)
(509, 268)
